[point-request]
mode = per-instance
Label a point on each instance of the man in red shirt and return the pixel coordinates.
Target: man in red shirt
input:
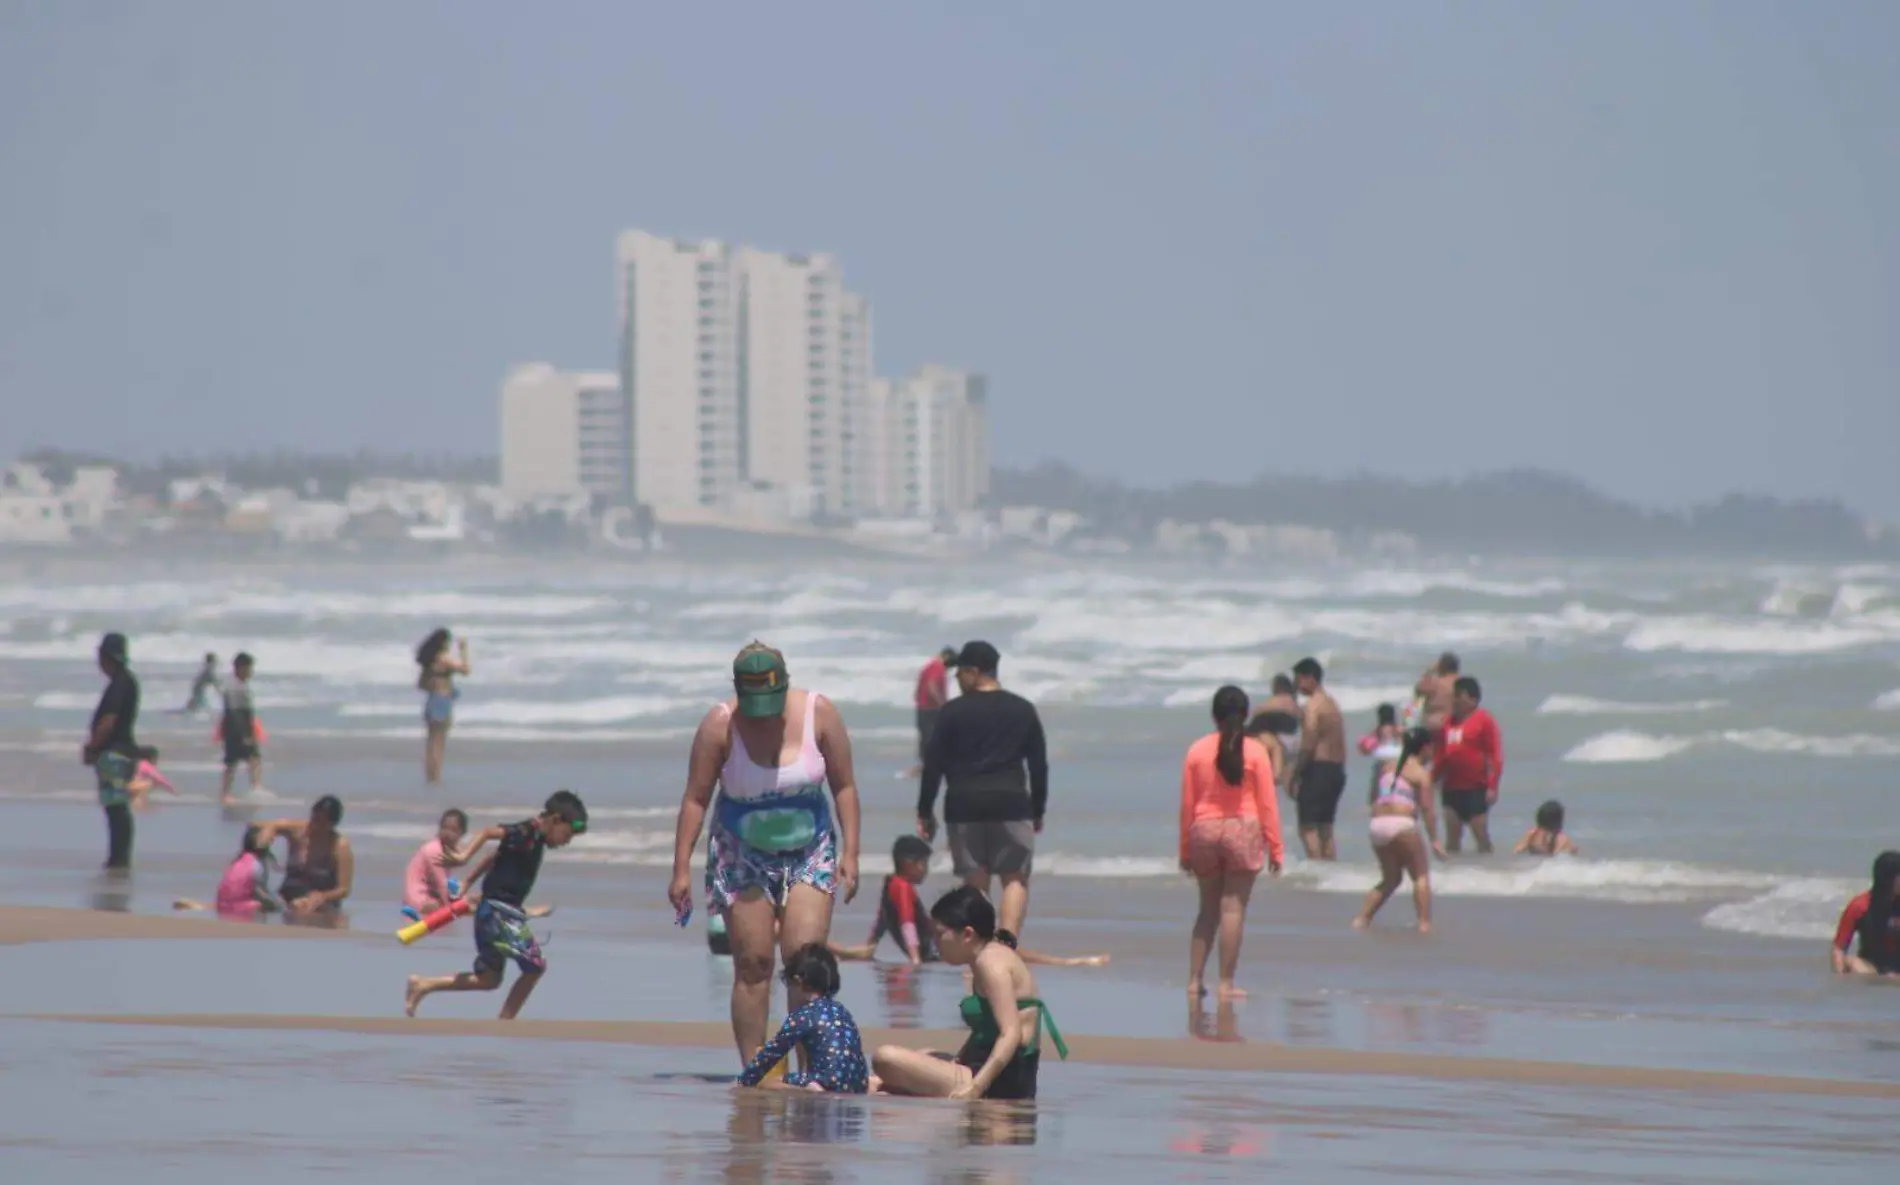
(933, 691)
(1467, 760)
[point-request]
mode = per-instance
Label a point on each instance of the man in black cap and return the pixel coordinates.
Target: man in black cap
(112, 751)
(989, 747)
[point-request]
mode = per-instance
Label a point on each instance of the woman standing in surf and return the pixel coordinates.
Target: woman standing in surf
(777, 856)
(1230, 827)
(1401, 794)
(435, 678)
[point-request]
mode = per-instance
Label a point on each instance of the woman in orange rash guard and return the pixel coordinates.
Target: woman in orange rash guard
(1230, 826)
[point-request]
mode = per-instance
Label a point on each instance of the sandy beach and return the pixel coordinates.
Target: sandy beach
(1658, 1011)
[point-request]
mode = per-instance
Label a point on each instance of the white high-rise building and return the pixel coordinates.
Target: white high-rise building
(805, 363)
(936, 442)
(563, 433)
(679, 365)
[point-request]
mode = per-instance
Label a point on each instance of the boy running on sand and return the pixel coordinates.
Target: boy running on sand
(501, 920)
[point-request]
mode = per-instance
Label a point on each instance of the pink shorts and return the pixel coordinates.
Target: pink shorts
(1217, 846)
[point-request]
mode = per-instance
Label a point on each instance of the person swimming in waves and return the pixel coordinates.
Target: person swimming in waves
(1547, 838)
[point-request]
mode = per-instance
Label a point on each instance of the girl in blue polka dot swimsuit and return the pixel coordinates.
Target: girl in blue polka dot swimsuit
(834, 1053)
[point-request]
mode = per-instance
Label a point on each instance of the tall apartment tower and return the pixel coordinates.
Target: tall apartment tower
(936, 442)
(679, 318)
(805, 365)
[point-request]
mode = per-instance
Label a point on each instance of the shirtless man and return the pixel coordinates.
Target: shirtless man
(1319, 771)
(1435, 689)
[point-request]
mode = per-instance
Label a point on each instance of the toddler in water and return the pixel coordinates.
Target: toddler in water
(1547, 838)
(244, 889)
(145, 777)
(834, 1053)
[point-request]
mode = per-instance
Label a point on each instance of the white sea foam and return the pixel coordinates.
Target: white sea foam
(1888, 702)
(1715, 635)
(1583, 705)
(1628, 747)
(605, 710)
(1773, 740)
(1625, 747)
(1803, 908)
(1633, 881)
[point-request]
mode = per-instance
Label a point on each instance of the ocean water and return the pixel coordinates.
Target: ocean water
(1725, 737)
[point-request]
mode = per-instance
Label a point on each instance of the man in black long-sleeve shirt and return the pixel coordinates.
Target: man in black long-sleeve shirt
(989, 746)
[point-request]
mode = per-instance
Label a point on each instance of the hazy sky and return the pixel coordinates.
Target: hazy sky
(1655, 244)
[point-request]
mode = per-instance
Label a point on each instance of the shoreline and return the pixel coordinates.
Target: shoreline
(1268, 1052)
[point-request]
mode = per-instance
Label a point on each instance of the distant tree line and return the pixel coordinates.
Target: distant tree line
(1526, 512)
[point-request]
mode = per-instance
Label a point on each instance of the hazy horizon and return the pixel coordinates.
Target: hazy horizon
(1650, 247)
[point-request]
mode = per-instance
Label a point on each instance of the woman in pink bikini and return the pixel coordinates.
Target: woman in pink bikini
(1400, 794)
(778, 854)
(1230, 827)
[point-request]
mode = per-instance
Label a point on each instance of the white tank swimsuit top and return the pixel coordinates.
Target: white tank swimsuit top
(775, 808)
(1394, 789)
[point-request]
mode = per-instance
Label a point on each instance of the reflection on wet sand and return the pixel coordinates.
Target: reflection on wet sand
(897, 988)
(1223, 1024)
(1310, 1022)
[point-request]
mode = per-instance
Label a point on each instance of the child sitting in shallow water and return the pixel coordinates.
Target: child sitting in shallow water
(1547, 838)
(244, 889)
(834, 1052)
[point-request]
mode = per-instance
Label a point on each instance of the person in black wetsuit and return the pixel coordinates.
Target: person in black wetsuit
(501, 919)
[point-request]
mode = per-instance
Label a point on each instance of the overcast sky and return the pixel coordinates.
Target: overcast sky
(1655, 244)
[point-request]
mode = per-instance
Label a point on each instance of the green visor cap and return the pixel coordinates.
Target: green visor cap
(758, 675)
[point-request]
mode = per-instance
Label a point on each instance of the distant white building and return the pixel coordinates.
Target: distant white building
(564, 433)
(33, 518)
(931, 443)
(679, 366)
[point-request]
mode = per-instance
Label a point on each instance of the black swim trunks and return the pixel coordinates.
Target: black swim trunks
(1467, 804)
(1321, 785)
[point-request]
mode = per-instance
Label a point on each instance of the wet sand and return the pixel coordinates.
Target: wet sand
(211, 1106)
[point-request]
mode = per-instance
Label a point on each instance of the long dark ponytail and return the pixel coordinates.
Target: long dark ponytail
(1230, 716)
(1875, 933)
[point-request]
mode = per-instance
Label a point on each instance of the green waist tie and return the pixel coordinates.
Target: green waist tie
(984, 1031)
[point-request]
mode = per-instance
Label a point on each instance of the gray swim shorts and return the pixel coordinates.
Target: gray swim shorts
(1007, 849)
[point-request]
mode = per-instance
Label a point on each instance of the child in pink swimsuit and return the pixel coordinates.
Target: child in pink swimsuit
(244, 889)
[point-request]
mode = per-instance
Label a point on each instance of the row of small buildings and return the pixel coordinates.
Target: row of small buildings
(746, 387)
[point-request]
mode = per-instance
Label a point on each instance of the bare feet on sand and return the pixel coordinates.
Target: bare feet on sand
(1195, 989)
(1424, 927)
(1360, 922)
(413, 997)
(1230, 992)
